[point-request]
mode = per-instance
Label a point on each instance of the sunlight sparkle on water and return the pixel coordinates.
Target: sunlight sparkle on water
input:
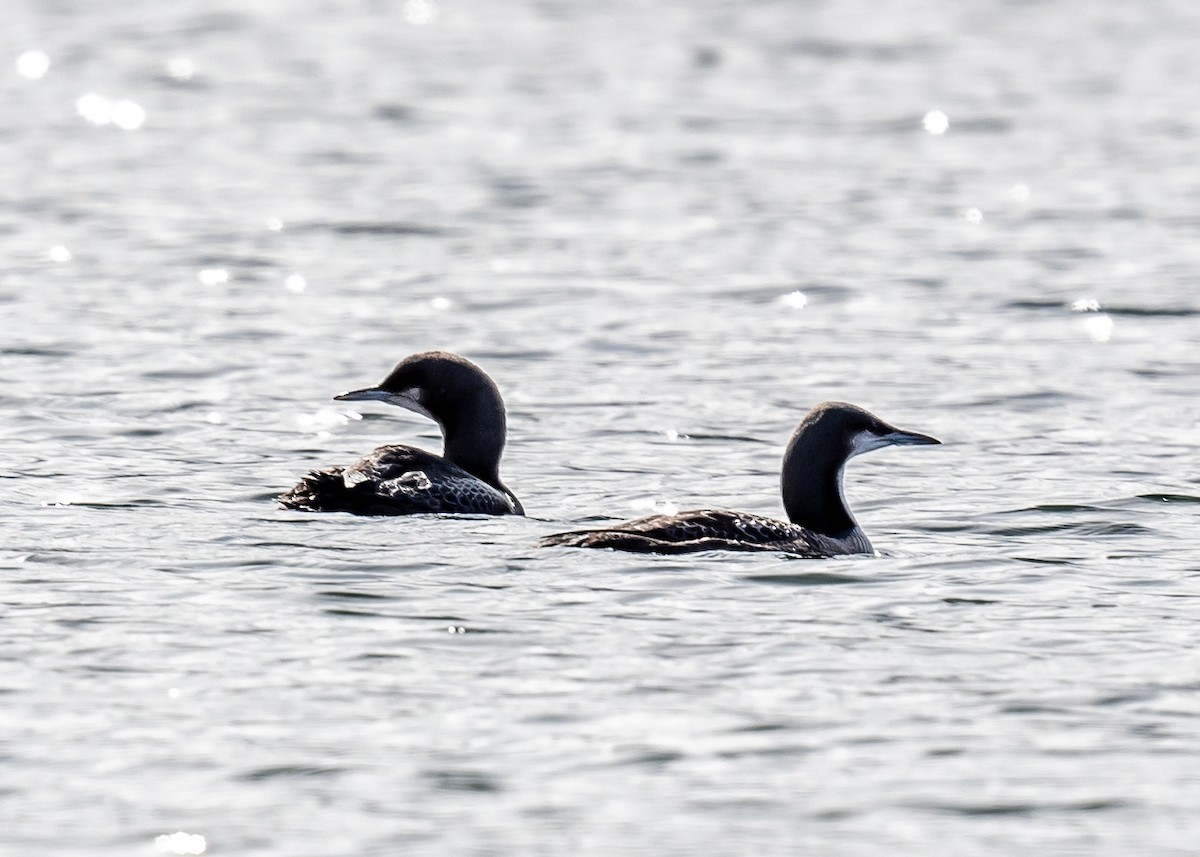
(274, 224)
(213, 276)
(936, 122)
(295, 283)
(58, 253)
(419, 12)
(1019, 192)
(441, 304)
(794, 300)
(126, 115)
(94, 108)
(1099, 327)
(33, 65)
(180, 843)
(181, 68)
(973, 215)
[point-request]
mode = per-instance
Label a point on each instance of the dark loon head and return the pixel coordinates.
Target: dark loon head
(457, 395)
(828, 436)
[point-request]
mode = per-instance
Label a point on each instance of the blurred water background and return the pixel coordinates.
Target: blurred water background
(666, 229)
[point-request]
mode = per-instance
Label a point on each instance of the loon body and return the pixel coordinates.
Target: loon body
(404, 480)
(819, 523)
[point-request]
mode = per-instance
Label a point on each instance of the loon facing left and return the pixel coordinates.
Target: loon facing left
(404, 480)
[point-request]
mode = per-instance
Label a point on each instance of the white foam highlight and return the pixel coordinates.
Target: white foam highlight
(33, 65)
(180, 843)
(936, 122)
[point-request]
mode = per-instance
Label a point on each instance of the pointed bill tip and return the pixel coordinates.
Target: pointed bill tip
(409, 399)
(370, 394)
(911, 438)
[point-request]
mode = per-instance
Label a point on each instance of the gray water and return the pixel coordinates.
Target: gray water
(666, 230)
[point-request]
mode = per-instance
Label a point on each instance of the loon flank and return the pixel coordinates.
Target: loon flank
(820, 523)
(404, 480)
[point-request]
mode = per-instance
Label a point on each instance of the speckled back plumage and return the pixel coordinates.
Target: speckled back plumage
(710, 529)
(398, 480)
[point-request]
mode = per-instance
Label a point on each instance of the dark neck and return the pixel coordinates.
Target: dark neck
(812, 483)
(474, 440)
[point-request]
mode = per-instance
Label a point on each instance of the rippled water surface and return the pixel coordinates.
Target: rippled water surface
(666, 230)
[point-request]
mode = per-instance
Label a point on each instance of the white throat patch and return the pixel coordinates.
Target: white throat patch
(410, 400)
(865, 441)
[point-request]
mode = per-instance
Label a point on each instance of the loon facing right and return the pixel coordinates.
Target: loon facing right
(820, 522)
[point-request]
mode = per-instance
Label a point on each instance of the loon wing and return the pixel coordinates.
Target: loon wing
(698, 530)
(397, 480)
